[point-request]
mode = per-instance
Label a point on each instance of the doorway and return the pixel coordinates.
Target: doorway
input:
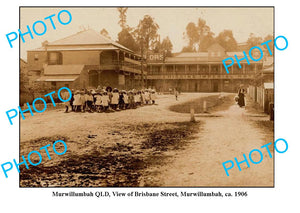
(215, 86)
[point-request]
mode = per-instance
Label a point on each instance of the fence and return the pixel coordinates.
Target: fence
(262, 96)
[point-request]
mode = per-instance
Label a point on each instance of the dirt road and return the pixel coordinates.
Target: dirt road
(118, 149)
(221, 139)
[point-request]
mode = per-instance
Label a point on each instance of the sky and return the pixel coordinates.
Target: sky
(172, 22)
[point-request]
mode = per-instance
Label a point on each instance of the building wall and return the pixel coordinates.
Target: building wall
(81, 57)
(91, 59)
(189, 78)
(198, 85)
(36, 60)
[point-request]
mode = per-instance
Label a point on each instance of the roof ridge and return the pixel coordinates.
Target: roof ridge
(94, 34)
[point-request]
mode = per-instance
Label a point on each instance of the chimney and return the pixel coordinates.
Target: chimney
(45, 43)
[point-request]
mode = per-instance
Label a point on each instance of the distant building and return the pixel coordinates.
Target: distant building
(84, 60)
(261, 89)
(201, 71)
(24, 80)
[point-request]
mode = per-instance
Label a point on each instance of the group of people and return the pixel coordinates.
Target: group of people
(109, 100)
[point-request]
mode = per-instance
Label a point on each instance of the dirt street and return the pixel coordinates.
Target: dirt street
(148, 146)
(221, 139)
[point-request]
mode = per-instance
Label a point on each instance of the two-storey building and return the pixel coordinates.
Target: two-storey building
(201, 71)
(84, 60)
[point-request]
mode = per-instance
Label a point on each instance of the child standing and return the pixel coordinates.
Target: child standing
(77, 101)
(147, 96)
(137, 98)
(105, 100)
(65, 96)
(115, 99)
(82, 100)
(121, 100)
(125, 99)
(153, 96)
(89, 101)
(98, 101)
(131, 99)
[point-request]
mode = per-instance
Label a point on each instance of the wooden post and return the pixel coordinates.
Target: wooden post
(192, 114)
(204, 106)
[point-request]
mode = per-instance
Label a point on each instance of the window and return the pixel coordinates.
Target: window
(36, 57)
(54, 58)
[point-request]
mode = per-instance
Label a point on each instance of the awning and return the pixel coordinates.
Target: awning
(70, 69)
(269, 85)
(58, 78)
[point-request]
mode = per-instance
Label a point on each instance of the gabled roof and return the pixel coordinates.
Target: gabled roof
(87, 37)
(22, 60)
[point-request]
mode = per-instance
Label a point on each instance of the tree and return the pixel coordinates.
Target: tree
(105, 33)
(192, 35)
(226, 40)
(199, 36)
(254, 41)
(157, 46)
(146, 36)
(187, 49)
(126, 39)
(271, 44)
(146, 33)
(122, 16)
(206, 41)
(206, 36)
(167, 46)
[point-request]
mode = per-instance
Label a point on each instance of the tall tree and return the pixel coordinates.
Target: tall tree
(227, 40)
(146, 36)
(253, 40)
(206, 41)
(122, 16)
(105, 33)
(167, 46)
(192, 35)
(146, 33)
(199, 36)
(187, 49)
(126, 39)
(206, 36)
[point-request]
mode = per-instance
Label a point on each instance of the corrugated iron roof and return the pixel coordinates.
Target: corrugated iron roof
(77, 48)
(231, 54)
(72, 69)
(192, 55)
(87, 37)
(58, 78)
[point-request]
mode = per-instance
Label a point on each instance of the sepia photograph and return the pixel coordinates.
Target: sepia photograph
(146, 96)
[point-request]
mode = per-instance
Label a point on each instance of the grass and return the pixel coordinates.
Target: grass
(213, 103)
